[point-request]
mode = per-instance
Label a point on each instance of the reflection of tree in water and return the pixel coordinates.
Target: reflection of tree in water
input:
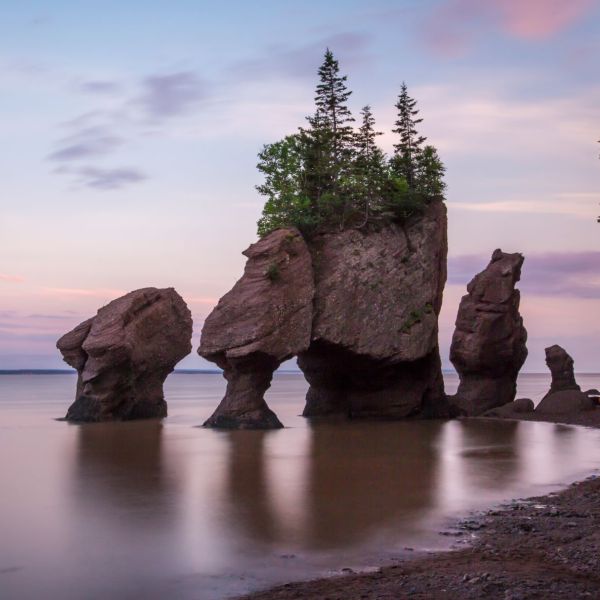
(248, 486)
(364, 477)
(490, 451)
(119, 467)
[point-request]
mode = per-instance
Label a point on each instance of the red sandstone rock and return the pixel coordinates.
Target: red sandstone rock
(264, 320)
(488, 347)
(564, 396)
(561, 368)
(124, 354)
(374, 347)
(565, 402)
(512, 410)
(359, 308)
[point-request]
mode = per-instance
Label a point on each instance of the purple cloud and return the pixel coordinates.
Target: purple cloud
(86, 143)
(572, 274)
(100, 87)
(172, 94)
(105, 179)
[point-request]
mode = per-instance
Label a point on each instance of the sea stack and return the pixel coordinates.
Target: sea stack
(488, 347)
(564, 396)
(561, 368)
(359, 308)
(124, 354)
(264, 320)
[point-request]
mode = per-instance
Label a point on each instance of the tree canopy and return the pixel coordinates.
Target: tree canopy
(330, 175)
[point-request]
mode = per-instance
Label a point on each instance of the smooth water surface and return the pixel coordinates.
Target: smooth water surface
(170, 510)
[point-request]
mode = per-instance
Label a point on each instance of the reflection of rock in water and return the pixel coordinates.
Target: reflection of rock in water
(493, 447)
(119, 467)
(248, 486)
(368, 477)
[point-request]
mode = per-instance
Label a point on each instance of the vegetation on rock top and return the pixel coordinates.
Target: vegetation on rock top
(330, 175)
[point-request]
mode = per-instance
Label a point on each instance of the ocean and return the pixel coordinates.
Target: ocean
(172, 510)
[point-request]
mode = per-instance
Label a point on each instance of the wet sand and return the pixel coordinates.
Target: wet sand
(544, 547)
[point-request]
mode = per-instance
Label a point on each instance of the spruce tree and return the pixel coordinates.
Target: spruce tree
(407, 151)
(329, 140)
(331, 98)
(429, 175)
(369, 164)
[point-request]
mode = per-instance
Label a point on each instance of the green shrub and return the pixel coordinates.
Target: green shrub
(273, 273)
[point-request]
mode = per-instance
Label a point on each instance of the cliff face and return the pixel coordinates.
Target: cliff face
(264, 320)
(373, 348)
(360, 311)
(124, 354)
(488, 347)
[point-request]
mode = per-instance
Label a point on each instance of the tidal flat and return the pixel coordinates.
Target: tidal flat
(171, 509)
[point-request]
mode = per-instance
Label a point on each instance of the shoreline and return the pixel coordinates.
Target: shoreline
(542, 547)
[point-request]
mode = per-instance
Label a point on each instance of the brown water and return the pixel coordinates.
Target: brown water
(169, 510)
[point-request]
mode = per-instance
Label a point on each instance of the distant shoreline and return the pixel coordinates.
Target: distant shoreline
(74, 372)
(212, 372)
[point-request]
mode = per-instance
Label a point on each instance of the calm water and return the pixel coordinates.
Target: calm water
(151, 510)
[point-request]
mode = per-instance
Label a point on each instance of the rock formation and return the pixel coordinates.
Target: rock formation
(359, 308)
(565, 402)
(564, 396)
(512, 410)
(264, 320)
(374, 344)
(488, 347)
(124, 354)
(561, 369)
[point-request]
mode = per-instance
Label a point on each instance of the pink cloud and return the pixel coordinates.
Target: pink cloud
(452, 26)
(202, 300)
(538, 19)
(11, 278)
(93, 293)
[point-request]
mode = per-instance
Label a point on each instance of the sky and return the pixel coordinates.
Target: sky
(130, 132)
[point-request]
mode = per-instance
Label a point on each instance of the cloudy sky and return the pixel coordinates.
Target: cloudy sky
(130, 132)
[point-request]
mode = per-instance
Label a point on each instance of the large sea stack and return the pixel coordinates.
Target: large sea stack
(488, 347)
(374, 343)
(264, 320)
(358, 307)
(124, 354)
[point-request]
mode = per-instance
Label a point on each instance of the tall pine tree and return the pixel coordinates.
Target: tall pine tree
(407, 151)
(329, 139)
(331, 98)
(369, 165)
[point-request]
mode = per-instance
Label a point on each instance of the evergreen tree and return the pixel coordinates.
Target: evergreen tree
(369, 165)
(328, 175)
(332, 112)
(408, 149)
(429, 175)
(329, 140)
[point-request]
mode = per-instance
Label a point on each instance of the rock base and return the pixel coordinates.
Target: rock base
(243, 406)
(357, 387)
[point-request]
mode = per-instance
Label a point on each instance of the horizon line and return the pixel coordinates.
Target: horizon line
(216, 371)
